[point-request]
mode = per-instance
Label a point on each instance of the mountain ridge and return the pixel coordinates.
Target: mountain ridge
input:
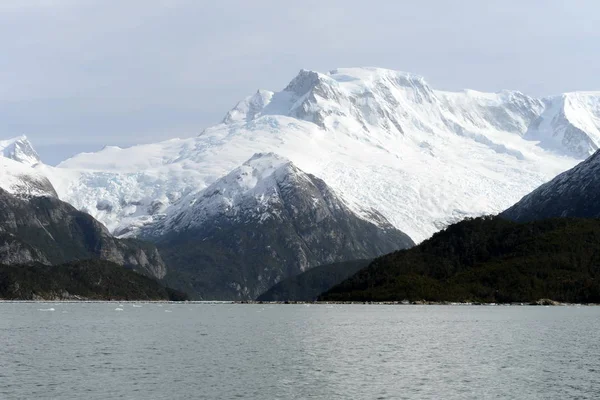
(574, 193)
(384, 140)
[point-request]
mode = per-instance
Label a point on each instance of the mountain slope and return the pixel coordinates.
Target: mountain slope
(570, 123)
(88, 279)
(310, 284)
(574, 193)
(487, 260)
(263, 222)
(23, 180)
(382, 139)
(49, 231)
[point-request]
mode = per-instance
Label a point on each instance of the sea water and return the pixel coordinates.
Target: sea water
(228, 351)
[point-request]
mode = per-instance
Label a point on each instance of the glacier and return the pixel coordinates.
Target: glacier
(382, 140)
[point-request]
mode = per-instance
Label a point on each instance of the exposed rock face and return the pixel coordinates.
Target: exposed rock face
(265, 221)
(575, 193)
(15, 251)
(49, 231)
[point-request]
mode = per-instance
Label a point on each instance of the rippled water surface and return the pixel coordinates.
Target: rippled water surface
(225, 351)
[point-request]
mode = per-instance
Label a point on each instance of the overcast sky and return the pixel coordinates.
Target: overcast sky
(79, 74)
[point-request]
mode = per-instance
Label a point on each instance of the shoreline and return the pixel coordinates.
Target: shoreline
(538, 303)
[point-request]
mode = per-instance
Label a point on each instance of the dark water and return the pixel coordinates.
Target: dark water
(201, 351)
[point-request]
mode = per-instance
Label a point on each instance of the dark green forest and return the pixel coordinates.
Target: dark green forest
(487, 259)
(88, 279)
(310, 284)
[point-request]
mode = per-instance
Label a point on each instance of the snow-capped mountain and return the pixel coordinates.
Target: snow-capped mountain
(18, 172)
(254, 192)
(574, 193)
(382, 139)
(19, 149)
(265, 221)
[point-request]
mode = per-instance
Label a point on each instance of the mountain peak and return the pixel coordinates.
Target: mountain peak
(305, 81)
(267, 220)
(365, 97)
(247, 109)
(19, 149)
(266, 161)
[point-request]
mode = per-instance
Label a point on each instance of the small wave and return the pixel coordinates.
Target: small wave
(118, 309)
(46, 309)
(168, 311)
(137, 306)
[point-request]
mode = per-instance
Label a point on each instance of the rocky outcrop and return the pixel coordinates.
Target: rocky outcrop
(49, 231)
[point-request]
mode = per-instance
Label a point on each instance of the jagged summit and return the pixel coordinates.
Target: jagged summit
(19, 149)
(305, 81)
(361, 101)
(18, 172)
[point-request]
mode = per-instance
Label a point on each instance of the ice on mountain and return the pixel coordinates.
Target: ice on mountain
(569, 124)
(383, 140)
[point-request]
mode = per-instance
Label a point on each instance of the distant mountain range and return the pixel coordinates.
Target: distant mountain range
(350, 164)
(381, 139)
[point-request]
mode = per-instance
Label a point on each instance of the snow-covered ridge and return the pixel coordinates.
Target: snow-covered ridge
(364, 99)
(253, 184)
(23, 180)
(382, 139)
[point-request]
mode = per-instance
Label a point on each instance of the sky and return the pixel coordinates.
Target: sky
(76, 75)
